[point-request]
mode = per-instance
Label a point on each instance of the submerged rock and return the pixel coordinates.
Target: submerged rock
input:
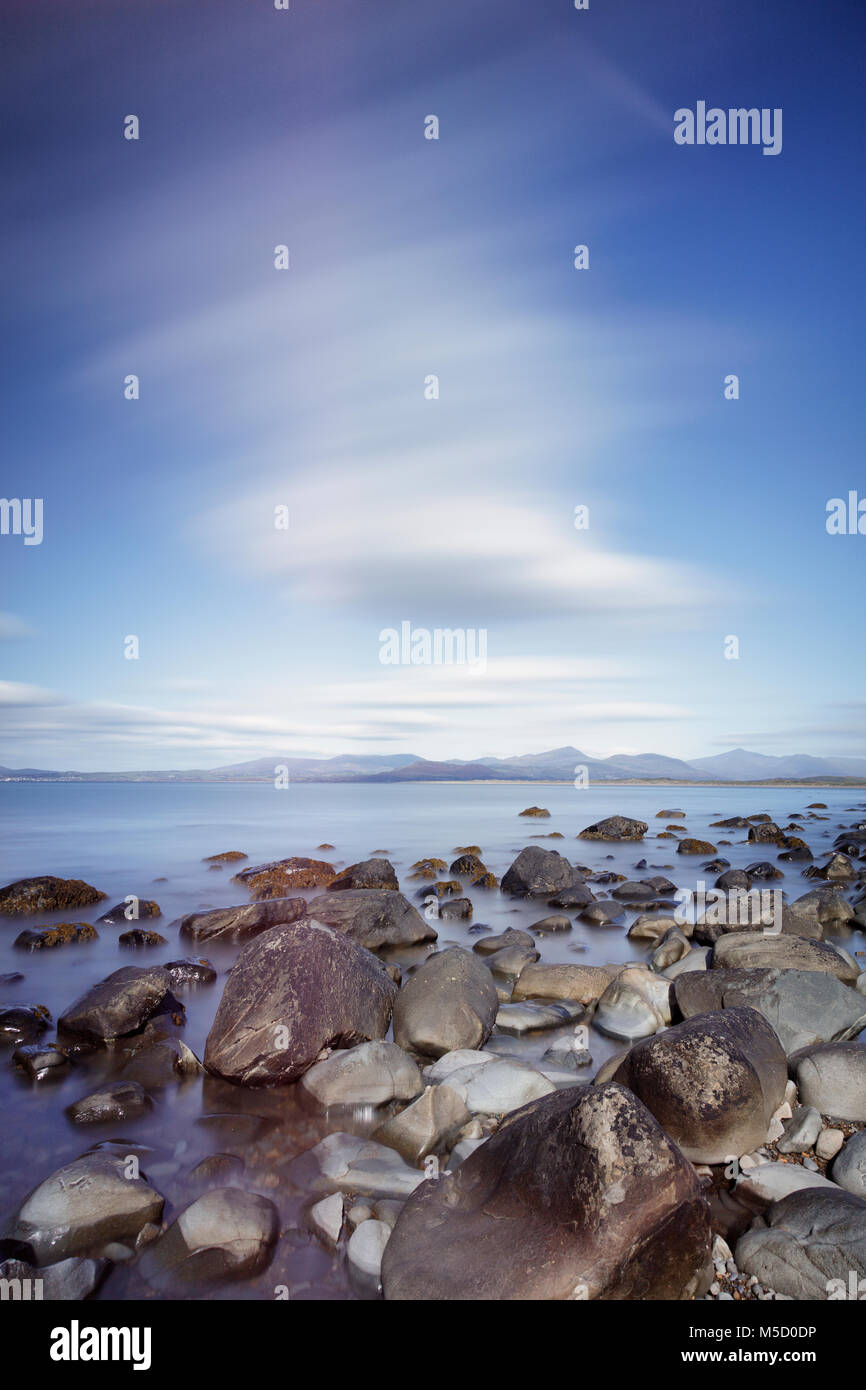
(46, 894)
(369, 873)
(225, 1234)
(579, 1195)
(241, 923)
(190, 972)
(130, 911)
(292, 992)
(61, 934)
(22, 1023)
(117, 1005)
(283, 877)
(375, 918)
(83, 1207)
(537, 872)
(615, 828)
(117, 1100)
(347, 1163)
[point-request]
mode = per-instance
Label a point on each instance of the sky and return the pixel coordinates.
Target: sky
(304, 389)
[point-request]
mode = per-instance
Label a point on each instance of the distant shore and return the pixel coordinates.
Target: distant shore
(807, 782)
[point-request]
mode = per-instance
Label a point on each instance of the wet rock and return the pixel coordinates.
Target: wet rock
(691, 846)
(281, 878)
(84, 1206)
(485, 880)
(746, 950)
(364, 1253)
(229, 856)
(41, 1063)
(374, 918)
(450, 1002)
(161, 1063)
(139, 937)
(633, 892)
(635, 1004)
(763, 871)
(130, 911)
(117, 1100)
(808, 1245)
(500, 1085)
(347, 1163)
(532, 1018)
(369, 873)
(670, 815)
(507, 964)
(425, 1124)
(615, 828)
(292, 992)
(738, 911)
(801, 1006)
(46, 894)
(849, 1168)
(765, 833)
(190, 972)
(712, 1082)
(220, 1170)
(733, 879)
(325, 1219)
(117, 1005)
(537, 872)
(61, 934)
(241, 923)
(534, 811)
(372, 1073)
(504, 941)
(579, 1195)
(603, 913)
(22, 1023)
(583, 983)
(824, 907)
(653, 926)
(672, 948)
(225, 1234)
(467, 866)
(578, 895)
(832, 1077)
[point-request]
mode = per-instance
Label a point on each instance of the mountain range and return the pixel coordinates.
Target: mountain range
(554, 765)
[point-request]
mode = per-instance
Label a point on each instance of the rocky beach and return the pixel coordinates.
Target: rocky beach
(561, 1058)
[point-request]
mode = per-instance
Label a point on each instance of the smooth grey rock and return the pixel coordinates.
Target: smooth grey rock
(372, 1073)
(84, 1206)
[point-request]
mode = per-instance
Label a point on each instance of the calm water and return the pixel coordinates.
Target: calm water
(123, 838)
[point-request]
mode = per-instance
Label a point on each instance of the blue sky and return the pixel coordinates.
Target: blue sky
(409, 257)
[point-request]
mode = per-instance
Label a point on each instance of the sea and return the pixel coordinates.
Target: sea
(150, 839)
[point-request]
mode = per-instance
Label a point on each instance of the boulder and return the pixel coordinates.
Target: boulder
(849, 1166)
(615, 828)
(84, 1206)
(132, 911)
(603, 913)
(450, 1002)
(61, 934)
(369, 873)
(747, 950)
(46, 894)
(583, 983)
(190, 972)
(117, 1100)
(653, 926)
(502, 1084)
(241, 923)
(691, 846)
(118, 1005)
(579, 1195)
(809, 1245)
(556, 922)
(292, 992)
(66, 1281)
(425, 1124)
(140, 937)
(283, 877)
(375, 918)
(832, 1077)
(347, 1163)
(712, 1082)
(538, 872)
(635, 1004)
(225, 1234)
(21, 1024)
(824, 907)
(503, 941)
(801, 1006)
(468, 866)
(372, 1073)
(534, 811)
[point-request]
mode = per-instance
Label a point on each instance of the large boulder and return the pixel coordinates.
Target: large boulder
(118, 1005)
(801, 1006)
(368, 873)
(808, 1245)
(46, 894)
(225, 1234)
(579, 1195)
(241, 923)
(292, 992)
(832, 1077)
(747, 950)
(283, 877)
(372, 1073)
(538, 872)
(615, 828)
(823, 907)
(83, 1207)
(375, 918)
(450, 1002)
(712, 1082)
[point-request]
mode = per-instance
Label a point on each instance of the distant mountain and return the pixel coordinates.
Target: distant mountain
(553, 765)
